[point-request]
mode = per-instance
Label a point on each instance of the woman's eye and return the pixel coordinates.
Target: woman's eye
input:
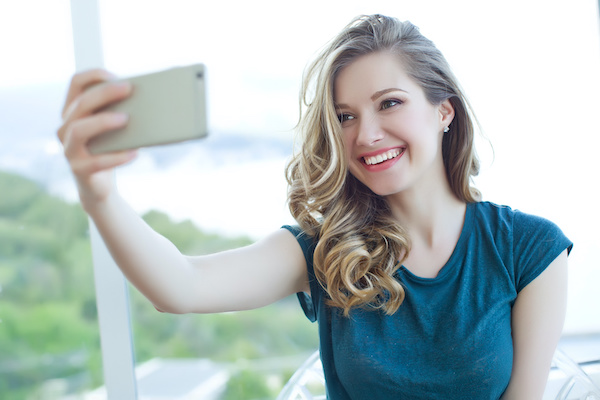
(344, 117)
(389, 104)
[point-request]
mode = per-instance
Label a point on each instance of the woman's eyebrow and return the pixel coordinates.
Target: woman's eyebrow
(380, 93)
(375, 96)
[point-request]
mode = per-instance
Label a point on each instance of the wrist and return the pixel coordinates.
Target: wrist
(96, 206)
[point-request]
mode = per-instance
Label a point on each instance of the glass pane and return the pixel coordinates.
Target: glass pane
(49, 337)
(205, 197)
(533, 91)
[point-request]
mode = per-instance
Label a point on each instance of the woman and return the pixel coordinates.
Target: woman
(421, 290)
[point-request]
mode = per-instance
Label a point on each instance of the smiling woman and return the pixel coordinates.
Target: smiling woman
(387, 244)
(253, 107)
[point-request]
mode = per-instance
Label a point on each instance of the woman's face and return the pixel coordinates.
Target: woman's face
(392, 134)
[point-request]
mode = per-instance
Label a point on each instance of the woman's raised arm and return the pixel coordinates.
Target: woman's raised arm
(245, 278)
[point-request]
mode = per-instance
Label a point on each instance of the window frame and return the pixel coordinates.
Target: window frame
(112, 295)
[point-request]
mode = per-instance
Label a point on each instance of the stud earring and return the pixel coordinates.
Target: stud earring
(447, 129)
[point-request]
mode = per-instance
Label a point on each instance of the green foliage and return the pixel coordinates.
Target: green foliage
(42, 342)
(50, 327)
(188, 238)
(45, 279)
(247, 384)
(16, 194)
(277, 330)
(48, 318)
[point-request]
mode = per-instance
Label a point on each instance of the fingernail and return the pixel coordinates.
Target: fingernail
(120, 118)
(124, 84)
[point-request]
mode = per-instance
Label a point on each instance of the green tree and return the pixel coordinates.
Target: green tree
(16, 194)
(48, 326)
(248, 385)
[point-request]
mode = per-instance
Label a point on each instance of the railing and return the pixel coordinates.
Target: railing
(567, 381)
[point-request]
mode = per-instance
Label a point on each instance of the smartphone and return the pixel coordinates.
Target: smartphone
(165, 107)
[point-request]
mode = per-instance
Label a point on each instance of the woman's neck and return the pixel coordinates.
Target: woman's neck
(429, 215)
(434, 224)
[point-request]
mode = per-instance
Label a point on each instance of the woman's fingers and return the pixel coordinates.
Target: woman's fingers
(90, 91)
(77, 134)
(96, 98)
(83, 119)
(80, 82)
(87, 166)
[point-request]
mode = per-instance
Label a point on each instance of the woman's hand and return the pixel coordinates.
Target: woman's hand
(245, 278)
(83, 119)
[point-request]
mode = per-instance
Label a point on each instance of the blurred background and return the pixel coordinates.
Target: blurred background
(530, 69)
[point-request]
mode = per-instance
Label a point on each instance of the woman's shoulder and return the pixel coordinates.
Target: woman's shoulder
(530, 242)
(300, 234)
(491, 209)
(517, 221)
(307, 242)
(523, 231)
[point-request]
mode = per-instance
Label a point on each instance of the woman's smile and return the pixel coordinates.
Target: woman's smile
(381, 159)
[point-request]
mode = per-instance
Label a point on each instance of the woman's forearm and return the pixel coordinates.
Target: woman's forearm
(149, 261)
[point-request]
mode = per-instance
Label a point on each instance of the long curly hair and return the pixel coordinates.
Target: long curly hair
(360, 245)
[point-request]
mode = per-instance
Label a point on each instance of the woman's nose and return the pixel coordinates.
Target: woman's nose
(369, 132)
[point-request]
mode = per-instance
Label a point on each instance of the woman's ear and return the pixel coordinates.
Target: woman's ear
(446, 110)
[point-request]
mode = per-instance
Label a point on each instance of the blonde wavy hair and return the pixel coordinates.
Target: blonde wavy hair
(360, 246)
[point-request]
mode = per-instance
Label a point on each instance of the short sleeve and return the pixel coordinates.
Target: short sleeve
(307, 244)
(536, 243)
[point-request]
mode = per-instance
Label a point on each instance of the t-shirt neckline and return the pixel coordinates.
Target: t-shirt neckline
(456, 253)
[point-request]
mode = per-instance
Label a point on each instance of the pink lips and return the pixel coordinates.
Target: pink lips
(382, 165)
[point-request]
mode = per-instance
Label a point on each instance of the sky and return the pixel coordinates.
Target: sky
(530, 69)
(256, 51)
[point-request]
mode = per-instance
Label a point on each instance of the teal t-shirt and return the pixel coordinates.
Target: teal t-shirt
(451, 337)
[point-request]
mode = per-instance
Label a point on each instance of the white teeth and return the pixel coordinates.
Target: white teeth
(382, 157)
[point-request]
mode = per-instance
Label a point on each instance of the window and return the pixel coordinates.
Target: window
(529, 69)
(49, 337)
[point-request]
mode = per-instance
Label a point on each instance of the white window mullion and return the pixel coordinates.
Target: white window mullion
(111, 288)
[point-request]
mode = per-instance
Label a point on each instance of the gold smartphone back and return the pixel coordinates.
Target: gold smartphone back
(165, 107)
